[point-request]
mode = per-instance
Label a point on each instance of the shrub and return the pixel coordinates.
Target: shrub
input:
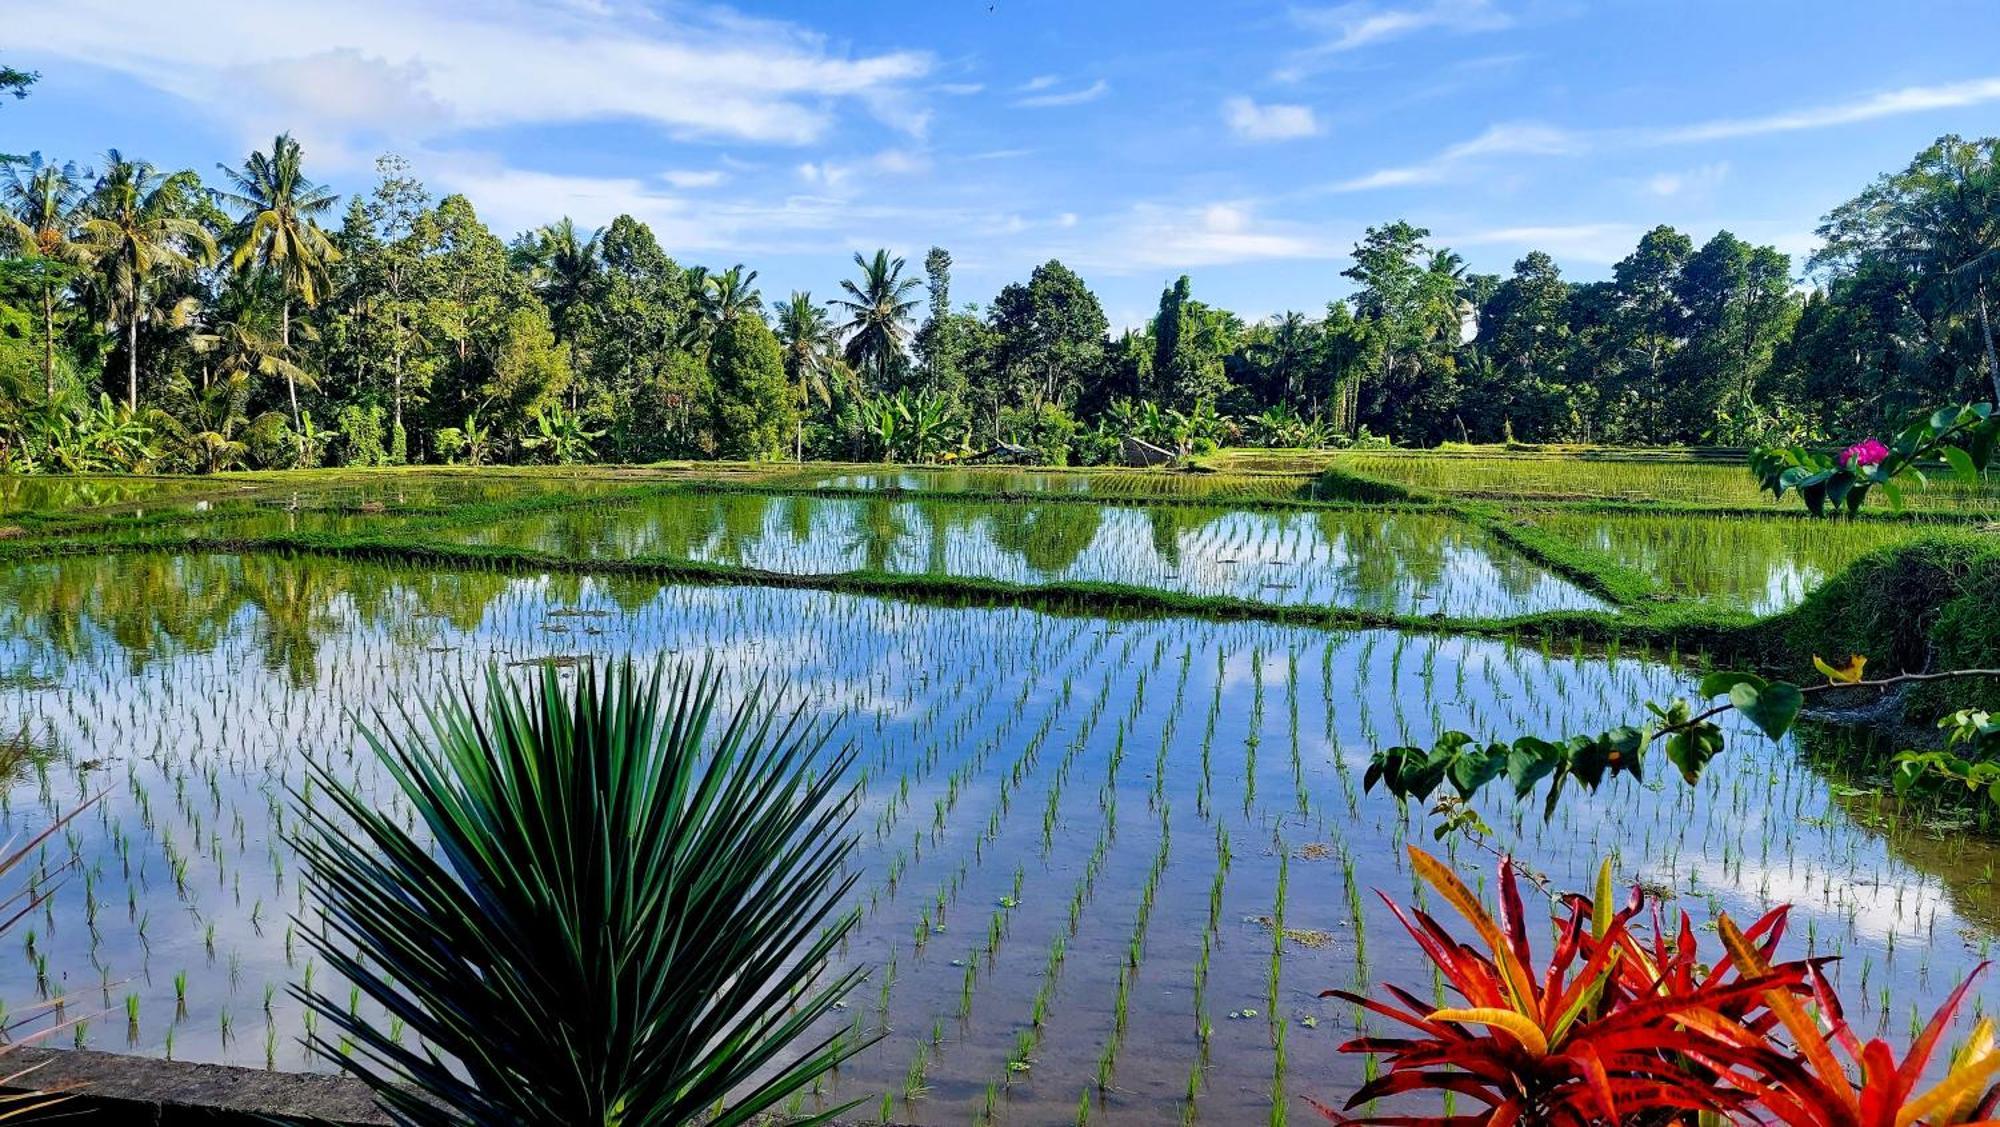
(624, 913)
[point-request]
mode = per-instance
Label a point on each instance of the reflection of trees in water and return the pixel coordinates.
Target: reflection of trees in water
(147, 607)
(875, 528)
(1942, 841)
(143, 605)
(1049, 538)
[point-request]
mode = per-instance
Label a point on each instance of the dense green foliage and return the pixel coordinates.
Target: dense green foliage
(150, 320)
(624, 914)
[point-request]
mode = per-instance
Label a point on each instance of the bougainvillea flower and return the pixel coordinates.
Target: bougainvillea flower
(1867, 452)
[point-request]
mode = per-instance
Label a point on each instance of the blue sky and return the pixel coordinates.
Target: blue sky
(1246, 144)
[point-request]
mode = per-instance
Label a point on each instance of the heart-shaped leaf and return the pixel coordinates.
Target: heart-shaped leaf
(1961, 464)
(1692, 748)
(1773, 707)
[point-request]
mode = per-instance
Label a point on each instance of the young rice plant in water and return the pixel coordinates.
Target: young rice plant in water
(625, 914)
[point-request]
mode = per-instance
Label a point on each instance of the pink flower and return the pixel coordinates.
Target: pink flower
(1867, 452)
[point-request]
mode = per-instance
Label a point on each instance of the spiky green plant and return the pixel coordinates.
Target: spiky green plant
(625, 913)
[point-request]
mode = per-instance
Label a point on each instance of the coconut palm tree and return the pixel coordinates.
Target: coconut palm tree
(138, 231)
(806, 335)
(562, 265)
(1286, 352)
(41, 206)
(276, 231)
(719, 298)
(879, 308)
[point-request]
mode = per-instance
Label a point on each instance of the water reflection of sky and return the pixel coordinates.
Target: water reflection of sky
(1404, 562)
(995, 742)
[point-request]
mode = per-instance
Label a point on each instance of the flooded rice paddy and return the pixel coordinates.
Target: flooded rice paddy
(1406, 562)
(1108, 863)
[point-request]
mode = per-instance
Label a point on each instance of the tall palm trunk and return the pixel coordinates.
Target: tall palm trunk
(291, 385)
(48, 345)
(1992, 356)
(132, 362)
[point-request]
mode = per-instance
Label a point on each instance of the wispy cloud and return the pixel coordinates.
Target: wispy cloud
(1273, 122)
(423, 68)
(1890, 103)
(686, 178)
(1683, 183)
(1596, 243)
(834, 175)
(1154, 236)
(1468, 158)
(1075, 97)
(1364, 23)
(1510, 139)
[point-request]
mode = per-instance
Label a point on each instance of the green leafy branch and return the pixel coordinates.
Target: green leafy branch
(1688, 728)
(1970, 756)
(1962, 437)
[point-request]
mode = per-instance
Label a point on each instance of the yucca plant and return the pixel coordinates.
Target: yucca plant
(624, 914)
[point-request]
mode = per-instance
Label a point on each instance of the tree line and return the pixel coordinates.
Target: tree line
(157, 319)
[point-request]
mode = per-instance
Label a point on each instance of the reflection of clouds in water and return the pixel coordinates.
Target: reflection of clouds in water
(1876, 903)
(1408, 562)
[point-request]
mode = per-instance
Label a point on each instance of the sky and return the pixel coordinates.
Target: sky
(1248, 145)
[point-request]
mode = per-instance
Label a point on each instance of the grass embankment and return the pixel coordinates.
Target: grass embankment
(1930, 604)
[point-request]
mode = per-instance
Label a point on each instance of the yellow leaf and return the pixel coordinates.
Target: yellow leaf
(1805, 1033)
(1520, 984)
(1520, 1027)
(1844, 674)
(1966, 1080)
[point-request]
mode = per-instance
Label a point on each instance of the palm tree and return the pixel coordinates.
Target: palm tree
(806, 335)
(43, 203)
(136, 233)
(1286, 352)
(562, 265)
(276, 231)
(245, 346)
(879, 308)
(718, 300)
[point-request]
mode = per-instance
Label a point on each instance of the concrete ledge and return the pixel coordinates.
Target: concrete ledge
(115, 1090)
(111, 1088)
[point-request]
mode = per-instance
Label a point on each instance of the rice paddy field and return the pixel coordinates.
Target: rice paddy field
(1110, 859)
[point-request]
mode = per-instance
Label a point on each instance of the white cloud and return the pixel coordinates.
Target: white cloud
(738, 226)
(1511, 139)
(412, 70)
(1075, 97)
(960, 89)
(691, 178)
(1154, 236)
(1910, 99)
(888, 162)
(1698, 181)
(1274, 122)
(1352, 26)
